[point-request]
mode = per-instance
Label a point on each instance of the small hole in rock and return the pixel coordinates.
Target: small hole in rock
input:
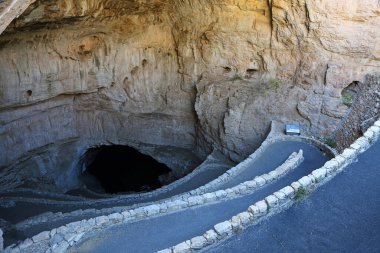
(29, 93)
(227, 69)
(144, 62)
(250, 72)
(134, 70)
(125, 81)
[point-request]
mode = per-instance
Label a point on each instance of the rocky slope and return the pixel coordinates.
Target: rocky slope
(174, 79)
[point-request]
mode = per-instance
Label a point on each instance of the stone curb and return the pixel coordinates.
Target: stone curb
(271, 138)
(65, 236)
(281, 199)
(165, 188)
(196, 197)
(109, 197)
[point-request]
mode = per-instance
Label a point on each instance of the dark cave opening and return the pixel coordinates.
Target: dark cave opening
(121, 169)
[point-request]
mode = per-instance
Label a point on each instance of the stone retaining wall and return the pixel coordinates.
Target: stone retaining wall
(276, 135)
(49, 216)
(281, 199)
(272, 137)
(196, 197)
(364, 111)
(59, 239)
(70, 199)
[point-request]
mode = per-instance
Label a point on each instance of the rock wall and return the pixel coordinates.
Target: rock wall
(257, 61)
(364, 112)
(65, 90)
(173, 75)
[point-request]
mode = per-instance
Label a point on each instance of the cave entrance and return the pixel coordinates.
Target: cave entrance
(121, 169)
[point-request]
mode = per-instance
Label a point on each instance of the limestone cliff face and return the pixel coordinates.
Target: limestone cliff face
(174, 77)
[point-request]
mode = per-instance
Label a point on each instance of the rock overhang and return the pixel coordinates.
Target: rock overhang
(199, 70)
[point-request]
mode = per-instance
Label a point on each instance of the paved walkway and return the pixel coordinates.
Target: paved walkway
(272, 157)
(33, 204)
(341, 216)
(168, 230)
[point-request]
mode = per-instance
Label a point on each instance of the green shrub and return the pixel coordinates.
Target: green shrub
(238, 229)
(330, 142)
(275, 84)
(263, 91)
(301, 193)
(348, 99)
(236, 77)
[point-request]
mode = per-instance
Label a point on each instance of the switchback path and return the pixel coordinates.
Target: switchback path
(341, 216)
(164, 231)
(274, 155)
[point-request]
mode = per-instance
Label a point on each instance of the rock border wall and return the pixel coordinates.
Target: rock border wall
(193, 198)
(276, 134)
(59, 239)
(271, 138)
(362, 114)
(281, 199)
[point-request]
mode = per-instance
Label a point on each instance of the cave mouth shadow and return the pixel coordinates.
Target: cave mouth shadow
(122, 169)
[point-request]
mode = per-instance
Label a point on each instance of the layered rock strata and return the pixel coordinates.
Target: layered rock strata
(174, 79)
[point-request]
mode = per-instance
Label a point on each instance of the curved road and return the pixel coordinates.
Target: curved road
(341, 216)
(164, 231)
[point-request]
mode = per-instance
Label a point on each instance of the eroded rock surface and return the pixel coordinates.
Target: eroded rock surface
(363, 114)
(174, 79)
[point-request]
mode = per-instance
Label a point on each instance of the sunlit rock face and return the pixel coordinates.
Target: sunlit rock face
(174, 79)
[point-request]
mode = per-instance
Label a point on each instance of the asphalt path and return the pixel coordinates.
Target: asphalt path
(164, 231)
(341, 216)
